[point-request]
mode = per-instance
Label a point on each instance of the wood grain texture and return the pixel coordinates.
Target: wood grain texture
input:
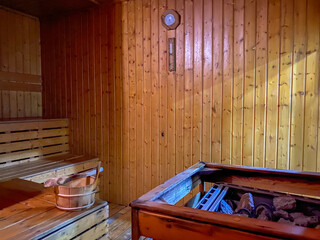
(162, 227)
(153, 214)
(29, 212)
(20, 73)
(38, 150)
(24, 141)
(79, 53)
(245, 90)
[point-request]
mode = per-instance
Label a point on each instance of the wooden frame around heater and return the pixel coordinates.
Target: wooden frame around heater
(154, 214)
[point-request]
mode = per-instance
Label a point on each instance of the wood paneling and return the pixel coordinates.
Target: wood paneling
(25, 141)
(79, 55)
(245, 91)
(20, 65)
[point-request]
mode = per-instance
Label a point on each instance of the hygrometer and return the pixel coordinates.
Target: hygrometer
(170, 19)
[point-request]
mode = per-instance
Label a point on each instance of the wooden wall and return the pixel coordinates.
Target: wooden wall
(246, 89)
(20, 65)
(76, 68)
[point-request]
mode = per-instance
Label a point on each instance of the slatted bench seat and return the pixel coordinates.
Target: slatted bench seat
(27, 211)
(37, 150)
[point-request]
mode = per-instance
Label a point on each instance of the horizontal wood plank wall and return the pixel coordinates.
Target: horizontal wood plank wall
(245, 91)
(20, 65)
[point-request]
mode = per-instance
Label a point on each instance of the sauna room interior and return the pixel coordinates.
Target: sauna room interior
(160, 119)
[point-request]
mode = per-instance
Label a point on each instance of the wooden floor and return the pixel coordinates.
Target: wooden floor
(119, 223)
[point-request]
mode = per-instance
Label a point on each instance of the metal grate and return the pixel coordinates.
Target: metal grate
(212, 198)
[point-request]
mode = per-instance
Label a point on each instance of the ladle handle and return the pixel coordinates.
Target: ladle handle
(97, 175)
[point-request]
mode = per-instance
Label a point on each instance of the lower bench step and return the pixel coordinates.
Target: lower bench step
(27, 211)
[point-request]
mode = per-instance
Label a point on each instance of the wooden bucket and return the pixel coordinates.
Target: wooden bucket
(78, 194)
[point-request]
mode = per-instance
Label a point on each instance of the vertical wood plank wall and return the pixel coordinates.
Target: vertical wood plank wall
(20, 65)
(245, 91)
(78, 54)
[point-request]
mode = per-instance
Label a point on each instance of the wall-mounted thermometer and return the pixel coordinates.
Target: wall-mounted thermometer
(172, 54)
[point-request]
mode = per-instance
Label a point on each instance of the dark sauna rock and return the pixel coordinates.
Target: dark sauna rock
(306, 221)
(231, 204)
(296, 215)
(246, 202)
(243, 215)
(243, 212)
(301, 221)
(313, 221)
(284, 203)
(311, 211)
(282, 220)
(264, 215)
(315, 213)
(225, 207)
(281, 214)
(235, 204)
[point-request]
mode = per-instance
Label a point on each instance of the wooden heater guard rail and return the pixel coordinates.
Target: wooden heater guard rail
(37, 150)
(155, 216)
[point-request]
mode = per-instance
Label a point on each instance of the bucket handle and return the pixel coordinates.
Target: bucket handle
(97, 175)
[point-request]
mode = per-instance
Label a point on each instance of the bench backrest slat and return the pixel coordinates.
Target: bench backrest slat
(23, 141)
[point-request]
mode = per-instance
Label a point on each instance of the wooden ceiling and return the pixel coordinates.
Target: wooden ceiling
(43, 8)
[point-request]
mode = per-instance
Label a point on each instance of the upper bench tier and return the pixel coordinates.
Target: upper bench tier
(37, 150)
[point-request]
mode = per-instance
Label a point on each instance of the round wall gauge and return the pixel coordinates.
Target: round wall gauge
(170, 19)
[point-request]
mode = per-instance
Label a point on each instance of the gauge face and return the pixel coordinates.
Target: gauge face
(169, 19)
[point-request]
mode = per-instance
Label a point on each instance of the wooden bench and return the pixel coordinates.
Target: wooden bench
(31, 152)
(27, 211)
(37, 150)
